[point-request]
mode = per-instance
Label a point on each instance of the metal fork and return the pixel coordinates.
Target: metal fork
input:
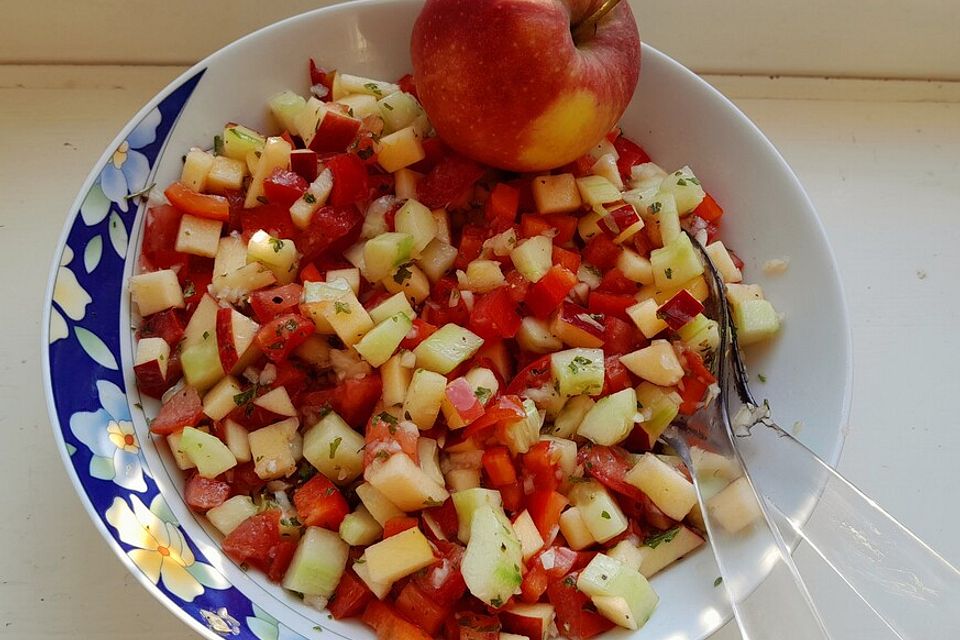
(910, 587)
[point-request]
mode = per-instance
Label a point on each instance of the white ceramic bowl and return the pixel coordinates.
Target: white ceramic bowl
(133, 493)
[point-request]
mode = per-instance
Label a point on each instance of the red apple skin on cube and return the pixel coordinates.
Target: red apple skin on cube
(465, 52)
(303, 162)
(335, 132)
(460, 397)
(530, 620)
(576, 327)
(235, 334)
(150, 378)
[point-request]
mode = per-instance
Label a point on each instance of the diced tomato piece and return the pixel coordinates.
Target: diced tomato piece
(420, 331)
(408, 85)
(389, 625)
(694, 364)
(244, 480)
(569, 260)
(619, 336)
(506, 408)
(498, 466)
(311, 273)
(282, 556)
(542, 463)
(501, 207)
(517, 286)
(447, 181)
(537, 577)
(680, 309)
(708, 209)
(545, 506)
(471, 244)
(616, 377)
(614, 281)
(495, 315)
(434, 151)
(574, 620)
(534, 225)
(379, 184)
(267, 304)
(356, 398)
(545, 295)
(610, 304)
(350, 184)
(445, 517)
(513, 497)
(630, 153)
(254, 539)
(184, 409)
(283, 187)
(197, 204)
(399, 524)
(692, 392)
(601, 252)
(533, 376)
(442, 581)
(202, 493)
(444, 291)
(476, 626)
(195, 276)
(320, 504)
(609, 466)
(415, 606)
(385, 436)
(165, 324)
(272, 218)
(351, 597)
(283, 334)
(160, 237)
(323, 77)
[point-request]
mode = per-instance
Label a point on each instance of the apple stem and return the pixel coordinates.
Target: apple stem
(588, 26)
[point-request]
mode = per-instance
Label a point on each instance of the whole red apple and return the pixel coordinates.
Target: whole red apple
(507, 83)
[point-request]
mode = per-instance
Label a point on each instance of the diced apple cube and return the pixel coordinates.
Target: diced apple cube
(400, 149)
(534, 335)
(404, 484)
(611, 419)
(685, 188)
(567, 422)
(428, 452)
(736, 507)
(238, 440)
(155, 351)
(667, 551)
(424, 397)
(656, 363)
(520, 435)
(277, 401)
(271, 450)
(530, 539)
(575, 530)
(302, 210)
(277, 254)
(484, 383)
(658, 406)
(481, 276)
(182, 460)
(644, 316)
(628, 553)
(437, 259)
(462, 479)
(231, 255)
(647, 175)
(396, 374)
(377, 504)
(399, 556)
(532, 621)
(589, 224)
(196, 166)
(446, 348)
(359, 529)
(606, 167)
(219, 401)
(416, 220)
(359, 105)
(347, 317)
(237, 285)
(208, 452)
(533, 257)
(409, 280)
(597, 190)
(556, 193)
(576, 327)
(720, 257)
(635, 267)
(198, 236)
(345, 84)
(384, 253)
(676, 262)
(405, 185)
(334, 449)
(599, 510)
(666, 487)
(317, 296)
(156, 291)
(227, 516)
(275, 155)
(225, 174)
(379, 589)
(391, 306)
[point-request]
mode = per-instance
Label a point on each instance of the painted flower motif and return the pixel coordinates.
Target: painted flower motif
(69, 297)
(108, 433)
(161, 552)
(127, 170)
(220, 621)
(265, 627)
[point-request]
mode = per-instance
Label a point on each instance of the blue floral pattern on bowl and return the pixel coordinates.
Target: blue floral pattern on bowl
(90, 410)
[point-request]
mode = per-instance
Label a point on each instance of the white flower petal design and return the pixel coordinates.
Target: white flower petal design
(67, 292)
(58, 327)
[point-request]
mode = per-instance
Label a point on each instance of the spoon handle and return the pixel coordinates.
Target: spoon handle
(907, 584)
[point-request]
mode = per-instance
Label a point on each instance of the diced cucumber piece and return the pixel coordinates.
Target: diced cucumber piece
(424, 397)
(597, 190)
(379, 343)
(359, 528)
(660, 405)
(239, 141)
(201, 363)
(675, 263)
(578, 371)
(600, 512)
(208, 452)
(755, 320)
(317, 564)
(662, 211)
(384, 253)
(397, 303)
(522, 434)
(701, 334)
(533, 257)
(685, 188)
(491, 563)
(227, 516)
(467, 502)
(607, 577)
(285, 106)
(334, 449)
(446, 348)
(611, 419)
(398, 110)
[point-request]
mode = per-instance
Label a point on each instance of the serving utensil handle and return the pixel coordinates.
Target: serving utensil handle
(913, 589)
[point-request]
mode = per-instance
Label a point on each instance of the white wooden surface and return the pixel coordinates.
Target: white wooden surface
(850, 38)
(881, 161)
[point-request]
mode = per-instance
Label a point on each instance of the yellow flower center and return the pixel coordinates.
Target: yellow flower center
(120, 155)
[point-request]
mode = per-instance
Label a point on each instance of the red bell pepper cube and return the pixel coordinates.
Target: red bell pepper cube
(320, 504)
(574, 619)
(498, 466)
(507, 408)
(708, 209)
(692, 392)
(390, 625)
(448, 180)
(610, 304)
(351, 597)
(614, 281)
(545, 296)
(501, 207)
(619, 336)
(601, 251)
(630, 153)
(616, 377)
(420, 331)
(399, 524)
(331, 230)
(197, 204)
(416, 606)
(495, 315)
(544, 506)
(322, 77)
(350, 184)
(273, 218)
(570, 260)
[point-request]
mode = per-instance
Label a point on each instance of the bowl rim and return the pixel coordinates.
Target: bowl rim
(73, 211)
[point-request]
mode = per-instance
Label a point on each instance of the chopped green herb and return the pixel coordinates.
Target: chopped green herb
(402, 274)
(190, 289)
(309, 198)
(483, 394)
(142, 193)
(496, 602)
(577, 363)
(290, 522)
(388, 106)
(666, 536)
(374, 89)
(718, 581)
(655, 207)
(388, 418)
(206, 334)
(762, 377)
(364, 153)
(218, 145)
(431, 502)
(605, 515)
(334, 444)
(263, 200)
(277, 244)
(317, 628)
(669, 273)
(681, 182)
(244, 397)
(341, 307)
(383, 455)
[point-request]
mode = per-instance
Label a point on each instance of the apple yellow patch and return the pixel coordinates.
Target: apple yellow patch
(559, 134)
